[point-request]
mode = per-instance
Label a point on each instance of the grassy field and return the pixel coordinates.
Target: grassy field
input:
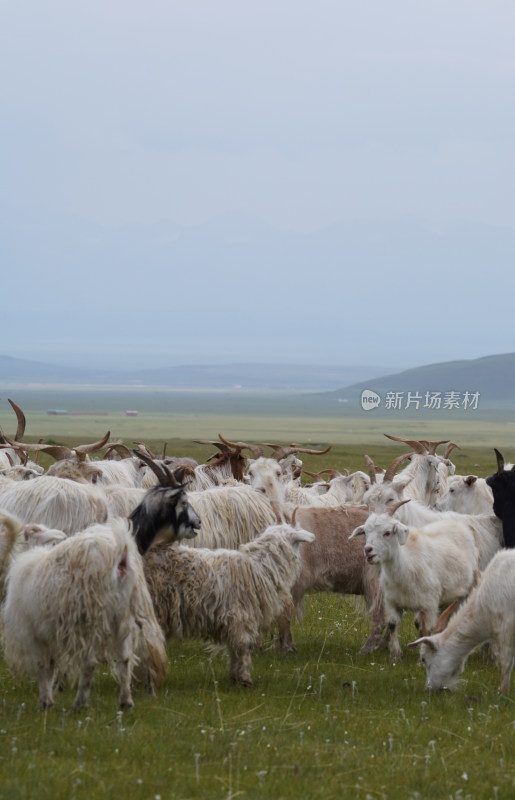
(324, 722)
(165, 415)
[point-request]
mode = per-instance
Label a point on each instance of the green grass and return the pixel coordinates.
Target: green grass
(324, 722)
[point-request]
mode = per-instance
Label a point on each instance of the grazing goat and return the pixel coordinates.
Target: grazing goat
(502, 484)
(231, 596)
(487, 616)
(420, 569)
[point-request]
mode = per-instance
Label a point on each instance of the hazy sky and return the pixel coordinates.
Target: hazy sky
(231, 180)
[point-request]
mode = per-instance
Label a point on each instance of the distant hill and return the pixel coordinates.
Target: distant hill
(284, 377)
(335, 391)
(20, 370)
(493, 377)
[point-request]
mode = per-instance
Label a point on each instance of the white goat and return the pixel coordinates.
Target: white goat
(487, 616)
(16, 538)
(466, 495)
(69, 607)
(231, 596)
(335, 563)
(18, 472)
(56, 502)
(231, 515)
(420, 569)
(420, 480)
(486, 528)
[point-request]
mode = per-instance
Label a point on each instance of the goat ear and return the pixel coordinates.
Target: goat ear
(425, 640)
(360, 531)
(470, 479)
(401, 531)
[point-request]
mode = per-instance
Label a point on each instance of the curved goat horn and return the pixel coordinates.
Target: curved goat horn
(20, 416)
(82, 451)
(310, 451)
(334, 473)
(450, 447)
(392, 468)
(144, 448)
(164, 475)
(393, 508)
(371, 469)
(417, 446)
(282, 451)
(314, 475)
(431, 446)
(120, 448)
(255, 449)
(56, 451)
(225, 448)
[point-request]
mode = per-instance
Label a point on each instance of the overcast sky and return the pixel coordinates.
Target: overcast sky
(230, 180)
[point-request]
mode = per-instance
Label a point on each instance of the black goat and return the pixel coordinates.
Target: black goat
(502, 484)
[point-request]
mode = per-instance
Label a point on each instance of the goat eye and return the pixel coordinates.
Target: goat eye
(387, 533)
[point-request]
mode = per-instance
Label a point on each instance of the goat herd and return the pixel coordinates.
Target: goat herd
(103, 560)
